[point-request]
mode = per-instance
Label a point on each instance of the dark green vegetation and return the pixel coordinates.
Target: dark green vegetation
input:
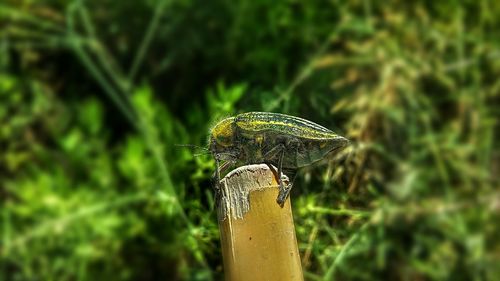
(94, 95)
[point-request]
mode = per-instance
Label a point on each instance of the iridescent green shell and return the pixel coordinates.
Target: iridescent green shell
(284, 124)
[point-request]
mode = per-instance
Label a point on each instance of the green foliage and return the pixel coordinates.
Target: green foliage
(95, 95)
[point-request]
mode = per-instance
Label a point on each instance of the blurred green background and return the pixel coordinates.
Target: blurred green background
(94, 95)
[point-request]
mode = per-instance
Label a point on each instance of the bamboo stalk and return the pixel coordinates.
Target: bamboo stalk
(257, 235)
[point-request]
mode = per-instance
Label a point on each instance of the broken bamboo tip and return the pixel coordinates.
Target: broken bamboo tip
(257, 235)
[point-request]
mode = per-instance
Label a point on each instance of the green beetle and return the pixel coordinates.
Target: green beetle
(285, 141)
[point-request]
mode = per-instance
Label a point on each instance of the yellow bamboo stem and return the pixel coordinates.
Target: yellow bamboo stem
(257, 235)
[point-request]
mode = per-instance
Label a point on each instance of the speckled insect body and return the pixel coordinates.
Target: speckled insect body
(284, 141)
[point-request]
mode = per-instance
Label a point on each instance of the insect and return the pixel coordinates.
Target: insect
(285, 141)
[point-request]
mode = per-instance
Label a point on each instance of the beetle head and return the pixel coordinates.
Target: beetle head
(222, 138)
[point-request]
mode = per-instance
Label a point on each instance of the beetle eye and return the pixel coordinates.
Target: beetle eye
(224, 140)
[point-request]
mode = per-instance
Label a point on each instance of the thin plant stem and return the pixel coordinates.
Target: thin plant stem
(106, 60)
(146, 41)
(37, 22)
(329, 275)
(304, 73)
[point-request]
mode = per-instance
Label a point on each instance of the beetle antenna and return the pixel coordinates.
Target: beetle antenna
(192, 146)
(201, 154)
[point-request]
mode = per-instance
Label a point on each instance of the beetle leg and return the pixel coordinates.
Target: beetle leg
(284, 191)
(216, 180)
(216, 177)
(272, 168)
(273, 152)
